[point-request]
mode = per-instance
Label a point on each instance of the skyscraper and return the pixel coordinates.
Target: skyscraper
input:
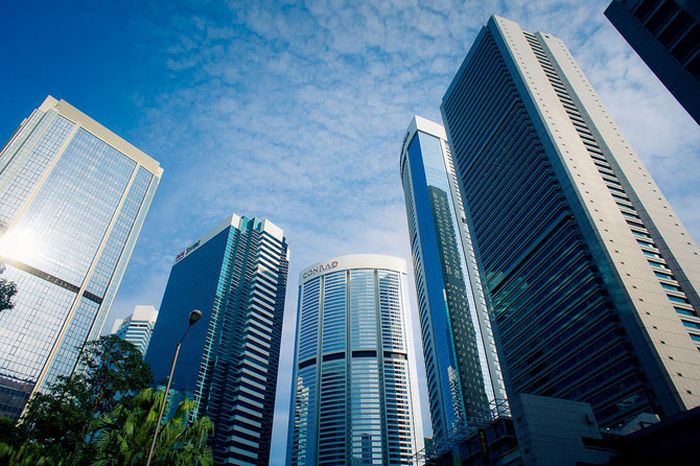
(354, 399)
(237, 276)
(465, 382)
(73, 197)
(666, 35)
(137, 327)
(592, 278)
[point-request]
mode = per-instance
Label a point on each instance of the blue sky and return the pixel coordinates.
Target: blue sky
(295, 111)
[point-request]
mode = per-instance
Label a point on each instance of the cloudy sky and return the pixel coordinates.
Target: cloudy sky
(295, 111)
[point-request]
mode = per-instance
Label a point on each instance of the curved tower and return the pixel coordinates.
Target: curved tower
(355, 397)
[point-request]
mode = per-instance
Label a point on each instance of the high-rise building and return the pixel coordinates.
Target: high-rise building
(592, 279)
(465, 382)
(137, 327)
(666, 35)
(354, 396)
(73, 197)
(237, 276)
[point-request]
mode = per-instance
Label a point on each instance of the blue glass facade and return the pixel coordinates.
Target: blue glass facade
(464, 377)
(572, 322)
(353, 397)
(237, 277)
(72, 200)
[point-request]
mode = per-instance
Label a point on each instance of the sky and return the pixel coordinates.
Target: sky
(295, 111)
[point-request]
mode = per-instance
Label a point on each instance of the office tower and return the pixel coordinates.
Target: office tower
(592, 279)
(465, 381)
(73, 197)
(666, 35)
(137, 327)
(354, 396)
(237, 276)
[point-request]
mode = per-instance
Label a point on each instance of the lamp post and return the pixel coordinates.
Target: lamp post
(195, 315)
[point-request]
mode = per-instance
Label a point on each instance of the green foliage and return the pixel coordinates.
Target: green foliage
(8, 290)
(112, 366)
(109, 369)
(104, 415)
(124, 434)
(8, 432)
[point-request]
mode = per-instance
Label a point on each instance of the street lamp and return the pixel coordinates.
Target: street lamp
(195, 315)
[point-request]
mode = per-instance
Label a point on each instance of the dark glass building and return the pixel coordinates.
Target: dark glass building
(237, 276)
(666, 35)
(463, 372)
(592, 279)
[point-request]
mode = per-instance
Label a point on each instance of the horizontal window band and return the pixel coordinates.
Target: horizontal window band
(51, 279)
(355, 354)
(394, 355)
(307, 363)
(333, 356)
(364, 354)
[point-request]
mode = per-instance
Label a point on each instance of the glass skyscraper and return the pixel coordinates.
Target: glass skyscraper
(666, 35)
(354, 397)
(137, 328)
(592, 278)
(73, 197)
(462, 368)
(237, 276)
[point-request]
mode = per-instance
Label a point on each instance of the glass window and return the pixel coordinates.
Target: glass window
(676, 299)
(693, 325)
(363, 311)
(334, 311)
(684, 312)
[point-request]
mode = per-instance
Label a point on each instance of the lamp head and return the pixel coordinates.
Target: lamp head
(195, 315)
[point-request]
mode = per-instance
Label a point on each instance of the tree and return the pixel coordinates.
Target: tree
(104, 415)
(8, 290)
(108, 369)
(123, 436)
(57, 422)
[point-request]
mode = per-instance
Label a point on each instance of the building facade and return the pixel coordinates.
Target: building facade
(464, 376)
(237, 276)
(592, 278)
(137, 328)
(73, 197)
(542, 431)
(666, 35)
(354, 395)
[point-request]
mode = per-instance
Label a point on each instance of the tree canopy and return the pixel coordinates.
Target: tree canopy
(8, 290)
(104, 414)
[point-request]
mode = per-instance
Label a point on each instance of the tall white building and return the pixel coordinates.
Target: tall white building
(355, 393)
(137, 327)
(73, 197)
(592, 278)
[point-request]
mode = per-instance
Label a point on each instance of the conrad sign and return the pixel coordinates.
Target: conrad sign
(320, 268)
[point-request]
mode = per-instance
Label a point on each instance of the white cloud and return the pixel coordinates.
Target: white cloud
(296, 112)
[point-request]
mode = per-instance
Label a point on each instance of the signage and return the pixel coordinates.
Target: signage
(181, 255)
(310, 272)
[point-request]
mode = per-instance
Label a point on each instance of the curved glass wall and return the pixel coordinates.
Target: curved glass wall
(353, 399)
